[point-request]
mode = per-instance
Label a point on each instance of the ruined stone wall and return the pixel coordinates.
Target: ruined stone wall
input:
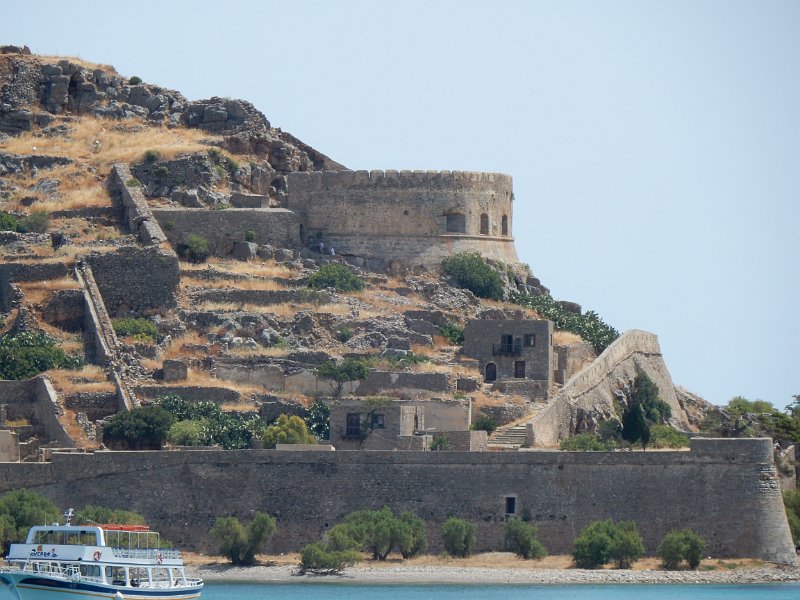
(16, 272)
(36, 400)
(482, 341)
(222, 228)
(591, 391)
(403, 215)
(726, 490)
(136, 280)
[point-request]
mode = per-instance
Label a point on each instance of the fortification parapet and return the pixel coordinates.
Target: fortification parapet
(733, 449)
(414, 217)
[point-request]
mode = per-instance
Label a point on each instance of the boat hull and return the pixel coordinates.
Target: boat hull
(28, 586)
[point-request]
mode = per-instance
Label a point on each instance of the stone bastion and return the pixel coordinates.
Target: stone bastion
(413, 217)
(725, 489)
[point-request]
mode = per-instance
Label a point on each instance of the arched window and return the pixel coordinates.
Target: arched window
(484, 224)
(504, 225)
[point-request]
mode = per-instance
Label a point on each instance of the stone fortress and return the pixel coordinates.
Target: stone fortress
(277, 205)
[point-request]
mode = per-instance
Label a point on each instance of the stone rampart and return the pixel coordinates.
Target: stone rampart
(35, 399)
(415, 217)
(726, 490)
(222, 228)
(135, 210)
(592, 390)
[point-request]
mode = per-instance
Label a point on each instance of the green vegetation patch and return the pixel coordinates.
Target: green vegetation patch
(240, 543)
(28, 353)
(603, 542)
(337, 276)
(472, 272)
(141, 329)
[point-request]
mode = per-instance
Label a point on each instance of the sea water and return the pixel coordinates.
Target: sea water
(340, 591)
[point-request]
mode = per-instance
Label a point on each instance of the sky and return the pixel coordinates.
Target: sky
(654, 146)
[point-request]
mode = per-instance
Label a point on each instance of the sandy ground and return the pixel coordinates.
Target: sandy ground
(490, 568)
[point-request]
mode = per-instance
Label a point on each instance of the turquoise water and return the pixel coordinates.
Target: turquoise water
(335, 591)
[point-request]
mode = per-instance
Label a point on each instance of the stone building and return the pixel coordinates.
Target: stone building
(402, 424)
(517, 354)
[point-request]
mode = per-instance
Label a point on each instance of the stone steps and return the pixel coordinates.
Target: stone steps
(509, 437)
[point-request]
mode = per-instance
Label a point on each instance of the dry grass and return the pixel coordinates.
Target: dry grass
(47, 59)
(37, 292)
(118, 141)
(247, 284)
(179, 347)
(91, 378)
(274, 351)
(566, 338)
(257, 269)
(240, 407)
(204, 379)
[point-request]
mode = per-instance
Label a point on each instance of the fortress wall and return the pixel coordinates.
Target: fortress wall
(726, 490)
(398, 202)
(222, 228)
(593, 388)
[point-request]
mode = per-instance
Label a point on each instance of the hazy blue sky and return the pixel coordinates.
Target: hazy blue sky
(654, 146)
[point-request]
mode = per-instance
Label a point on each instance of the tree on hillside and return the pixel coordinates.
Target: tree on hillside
(287, 430)
(240, 543)
(142, 428)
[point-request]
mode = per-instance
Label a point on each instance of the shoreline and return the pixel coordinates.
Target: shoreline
(467, 575)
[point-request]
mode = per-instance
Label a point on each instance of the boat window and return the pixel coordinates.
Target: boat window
(116, 575)
(138, 576)
(90, 571)
(161, 577)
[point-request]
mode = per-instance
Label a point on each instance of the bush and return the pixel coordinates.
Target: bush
(521, 540)
(458, 536)
(188, 433)
(678, 546)
(91, 514)
(318, 559)
(240, 544)
(250, 235)
(664, 436)
(194, 248)
(379, 532)
(452, 333)
(585, 442)
(602, 542)
(287, 430)
(37, 222)
(350, 369)
(440, 442)
(8, 222)
(142, 428)
(470, 271)
(337, 276)
(484, 423)
(318, 419)
(20, 510)
(344, 334)
(161, 171)
(29, 353)
(133, 182)
(141, 329)
(151, 156)
(135, 80)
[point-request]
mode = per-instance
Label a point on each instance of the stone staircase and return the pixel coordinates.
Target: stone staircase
(508, 437)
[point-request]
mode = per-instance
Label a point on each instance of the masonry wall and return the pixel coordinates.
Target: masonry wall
(726, 490)
(222, 228)
(482, 336)
(403, 215)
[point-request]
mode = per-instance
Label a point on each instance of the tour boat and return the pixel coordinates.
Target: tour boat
(71, 562)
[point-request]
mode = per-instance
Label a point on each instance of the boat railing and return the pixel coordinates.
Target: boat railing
(148, 553)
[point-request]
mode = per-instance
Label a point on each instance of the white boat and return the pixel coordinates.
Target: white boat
(71, 562)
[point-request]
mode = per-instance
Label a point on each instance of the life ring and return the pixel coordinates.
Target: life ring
(160, 558)
(96, 555)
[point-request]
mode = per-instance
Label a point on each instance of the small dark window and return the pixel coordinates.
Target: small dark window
(511, 505)
(377, 421)
(491, 372)
(353, 424)
(519, 369)
(484, 224)
(504, 225)
(456, 223)
(530, 339)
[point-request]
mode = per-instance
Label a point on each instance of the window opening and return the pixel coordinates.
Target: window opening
(519, 369)
(484, 224)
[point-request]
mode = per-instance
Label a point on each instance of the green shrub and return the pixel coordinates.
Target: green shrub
(337, 276)
(240, 544)
(133, 182)
(678, 546)
(458, 536)
(344, 334)
(250, 235)
(142, 428)
(521, 540)
(37, 222)
(194, 248)
(791, 501)
(470, 271)
(287, 430)
(161, 171)
(318, 419)
(350, 369)
(135, 80)
(452, 333)
(585, 442)
(188, 433)
(91, 514)
(440, 443)
(484, 423)
(602, 542)
(20, 510)
(27, 353)
(379, 532)
(316, 558)
(664, 436)
(138, 328)
(151, 156)
(8, 222)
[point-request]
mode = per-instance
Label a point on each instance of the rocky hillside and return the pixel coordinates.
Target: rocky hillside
(92, 163)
